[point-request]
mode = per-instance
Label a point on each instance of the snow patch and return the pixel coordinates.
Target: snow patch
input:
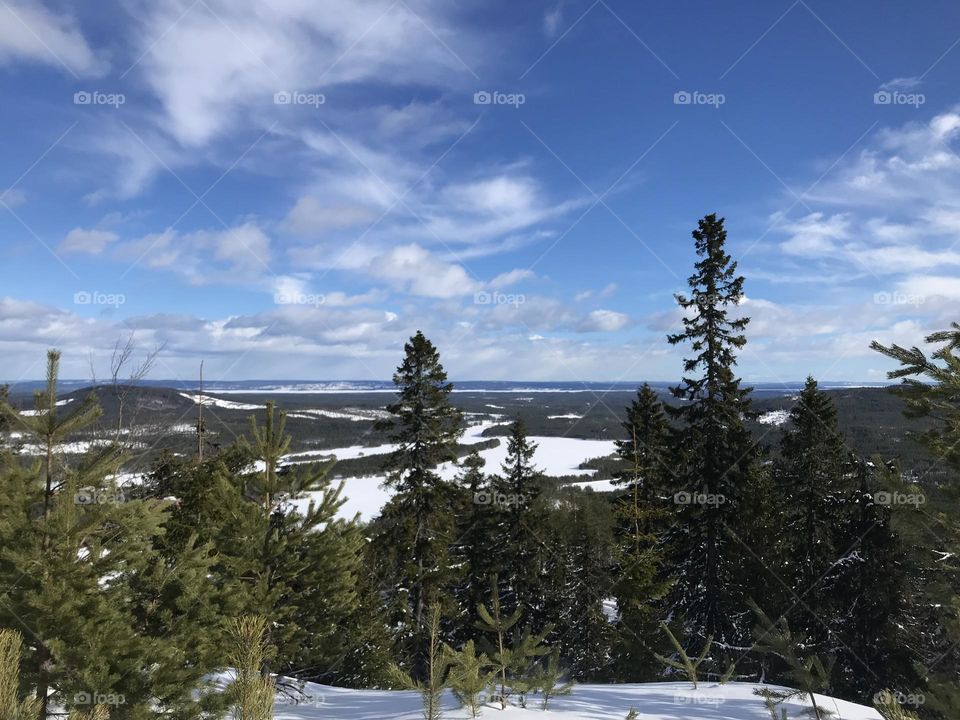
(774, 417)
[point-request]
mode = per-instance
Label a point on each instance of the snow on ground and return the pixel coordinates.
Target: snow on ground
(32, 413)
(568, 416)
(365, 495)
(353, 414)
(596, 485)
(774, 417)
(210, 401)
(653, 701)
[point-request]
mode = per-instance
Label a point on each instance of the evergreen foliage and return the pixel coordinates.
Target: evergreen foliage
(717, 450)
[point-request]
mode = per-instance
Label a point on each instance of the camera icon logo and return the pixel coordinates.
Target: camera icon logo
(282, 98)
(483, 497)
(682, 97)
(482, 97)
(82, 98)
(882, 97)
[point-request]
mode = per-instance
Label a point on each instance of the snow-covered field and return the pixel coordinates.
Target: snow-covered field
(653, 701)
(555, 456)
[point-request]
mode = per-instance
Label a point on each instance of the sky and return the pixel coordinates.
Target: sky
(290, 189)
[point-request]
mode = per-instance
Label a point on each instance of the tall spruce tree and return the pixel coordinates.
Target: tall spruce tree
(411, 537)
(516, 495)
(642, 511)
(716, 448)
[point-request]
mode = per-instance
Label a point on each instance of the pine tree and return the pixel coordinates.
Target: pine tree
(12, 706)
(808, 672)
(81, 567)
(252, 691)
(548, 679)
(494, 622)
(717, 450)
(645, 456)
(470, 675)
(412, 536)
(516, 492)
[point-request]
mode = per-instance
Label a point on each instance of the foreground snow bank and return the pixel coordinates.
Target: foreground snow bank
(653, 701)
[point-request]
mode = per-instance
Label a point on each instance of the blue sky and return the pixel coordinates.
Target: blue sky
(291, 189)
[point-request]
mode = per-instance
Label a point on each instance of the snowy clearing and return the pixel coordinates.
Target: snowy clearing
(568, 416)
(555, 456)
(774, 417)
(211, 401)
(654, 701)
(352, 414)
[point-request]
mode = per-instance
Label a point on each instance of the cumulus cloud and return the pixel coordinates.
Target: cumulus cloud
(420, 272)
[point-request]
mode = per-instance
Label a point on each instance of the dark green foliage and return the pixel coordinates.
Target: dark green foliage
(412, 537)
(931, 389)
(643, 511)
(578, 580)
(474, 553)
(85, 573)
(519, 549)
(716, 449)
(808, 672)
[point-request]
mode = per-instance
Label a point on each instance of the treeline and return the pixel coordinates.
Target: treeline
(817, 568)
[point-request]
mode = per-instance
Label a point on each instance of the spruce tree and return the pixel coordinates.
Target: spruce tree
(716, 448)
(931, 388)
(642, 511)
(477, 534)
(814, 483)
(516, 493)
(412, 536)
(872, 648)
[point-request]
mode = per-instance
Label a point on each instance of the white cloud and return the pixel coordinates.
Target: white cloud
(31, 32)
(605, 321)
(236, 254)
(419, 272)
(312, 217)
(92, 242)
(231, 54)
